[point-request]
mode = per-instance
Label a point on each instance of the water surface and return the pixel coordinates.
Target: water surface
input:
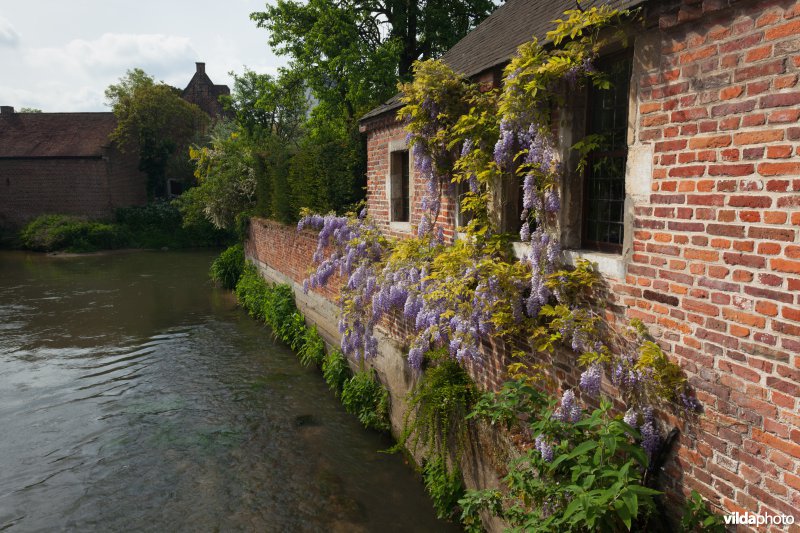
(135, 396)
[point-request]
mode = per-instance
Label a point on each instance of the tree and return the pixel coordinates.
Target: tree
(264, 105)
(400, 31)
(226, 182)
(153, 118)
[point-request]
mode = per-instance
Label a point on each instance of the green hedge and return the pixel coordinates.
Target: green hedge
(49, 233)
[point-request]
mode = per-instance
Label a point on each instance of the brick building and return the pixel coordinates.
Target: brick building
(696, 234)
(697, 231)
(202, 92)
(63, 163)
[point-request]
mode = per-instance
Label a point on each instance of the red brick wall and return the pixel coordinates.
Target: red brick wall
(381, 132)
(286, 250)
(90, 187)
(716, 261)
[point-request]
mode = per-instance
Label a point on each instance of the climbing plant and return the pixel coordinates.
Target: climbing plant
(454, 296)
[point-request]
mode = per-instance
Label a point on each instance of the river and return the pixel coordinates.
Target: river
(135, 396)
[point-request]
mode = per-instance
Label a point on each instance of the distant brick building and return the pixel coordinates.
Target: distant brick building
(202, 92)
(63, 163)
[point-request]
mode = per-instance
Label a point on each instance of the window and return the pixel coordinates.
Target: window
(462, 217)
(604, 180)
(399, 186)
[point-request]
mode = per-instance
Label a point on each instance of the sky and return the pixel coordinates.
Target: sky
(60, 55)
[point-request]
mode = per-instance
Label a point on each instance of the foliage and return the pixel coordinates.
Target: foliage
(473, 502)
(226, 181)
(266, 106)
(325, 174)
(312, 349)
(443, 485)
(349, 56)
(274, 304)
(153, 119)
(364, 397)
(251, 291)
(437, 408)
(158, 225)
(505, 406)
(697, 517)
(48, 233)
(228, 266)
(336, 371)
(293, 331)
(583, 473)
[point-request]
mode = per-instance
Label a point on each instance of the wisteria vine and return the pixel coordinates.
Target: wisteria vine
(459, 295)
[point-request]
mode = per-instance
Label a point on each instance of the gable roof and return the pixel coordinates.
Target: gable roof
(30, 135)
(495, 40)
(201, 79)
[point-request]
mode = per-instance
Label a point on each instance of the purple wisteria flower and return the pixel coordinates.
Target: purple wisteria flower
(651, 441)
(544, 448)
(631, 417)
(591, 379)
(569, 411)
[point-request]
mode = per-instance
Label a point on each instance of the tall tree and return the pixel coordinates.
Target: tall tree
(154, 119)
(265, 105)
(351, 52)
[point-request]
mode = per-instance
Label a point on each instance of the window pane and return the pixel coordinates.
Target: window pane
(400, 186)
(604, 188)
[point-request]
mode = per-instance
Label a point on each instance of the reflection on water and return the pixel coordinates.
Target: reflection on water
(136, 396)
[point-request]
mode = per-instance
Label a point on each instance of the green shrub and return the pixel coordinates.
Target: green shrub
(49, 233)
(365, 397)
(313, 348)
(293, 331)
(582, 476)
(228, 266)
(444, 486)
(279, 307)
(251, 291)
(336, 371)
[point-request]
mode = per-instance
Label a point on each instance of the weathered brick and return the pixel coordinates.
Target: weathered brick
(758, 137)
(779, 169)
(776, 234)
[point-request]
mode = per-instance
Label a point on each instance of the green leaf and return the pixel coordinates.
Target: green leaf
(623, 512)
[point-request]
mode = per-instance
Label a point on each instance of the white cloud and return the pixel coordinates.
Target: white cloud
(8, 35)
(115, 53)
(54, 97)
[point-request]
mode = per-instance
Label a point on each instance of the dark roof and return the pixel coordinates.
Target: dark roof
(55, 134)
(495, 40)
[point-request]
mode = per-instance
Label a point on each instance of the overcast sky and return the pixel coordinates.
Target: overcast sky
(60, 55)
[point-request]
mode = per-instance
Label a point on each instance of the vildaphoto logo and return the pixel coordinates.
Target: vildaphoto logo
(752, 519)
